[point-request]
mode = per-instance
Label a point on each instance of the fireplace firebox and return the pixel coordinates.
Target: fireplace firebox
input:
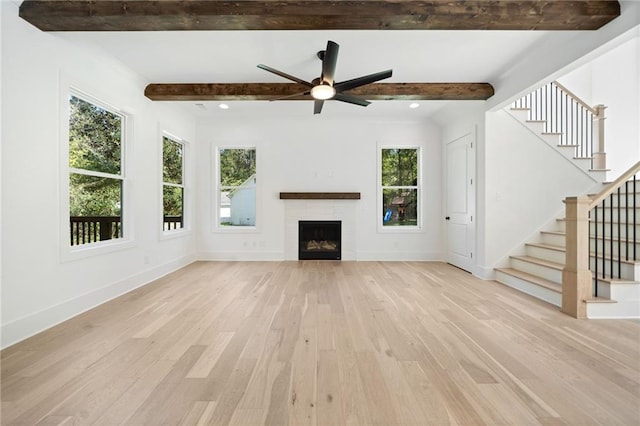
(319, 239)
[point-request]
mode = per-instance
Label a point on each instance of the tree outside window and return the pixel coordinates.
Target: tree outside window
(95, 172)
(400, 187)
(172, 184)
(237, 187)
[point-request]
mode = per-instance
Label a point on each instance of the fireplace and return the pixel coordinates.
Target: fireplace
(319, 239)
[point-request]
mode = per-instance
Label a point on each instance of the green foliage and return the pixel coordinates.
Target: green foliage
(94, 137)
(236, 166)
(172, 200)
(399, 167)
(94, 196)
(171, 161)
(95, 146)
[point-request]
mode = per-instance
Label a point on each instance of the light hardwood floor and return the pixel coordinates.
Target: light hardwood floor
(327, 343)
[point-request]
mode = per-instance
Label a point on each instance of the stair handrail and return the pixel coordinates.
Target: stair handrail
(575, 97)
(564, 113)
(613, 186)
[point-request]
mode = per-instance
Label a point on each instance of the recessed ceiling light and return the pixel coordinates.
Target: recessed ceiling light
(223, 106)
(414, 105)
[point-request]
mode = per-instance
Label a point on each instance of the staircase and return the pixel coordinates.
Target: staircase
(539, 271)
(614, 225)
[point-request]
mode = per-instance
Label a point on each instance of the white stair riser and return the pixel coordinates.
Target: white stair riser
(624, 200)
(520, 114)
(598, 175)
(619, 292)
(622, 215)
(618, 250)
(546, 254)
(554, 239)
(550, 274)
(583, 163)
(530, 288)
(538, 127)
(628, 272)
(628, 309)
(607, 230)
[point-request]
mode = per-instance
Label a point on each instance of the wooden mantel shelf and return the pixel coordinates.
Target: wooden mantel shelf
(319, 195)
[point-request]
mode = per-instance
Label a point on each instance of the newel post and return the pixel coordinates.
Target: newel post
(576, 276)
(599, 155)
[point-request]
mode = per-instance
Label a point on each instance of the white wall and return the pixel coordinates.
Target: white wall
(39, 289)
(318, 153)
(613, 79)
(526, 180)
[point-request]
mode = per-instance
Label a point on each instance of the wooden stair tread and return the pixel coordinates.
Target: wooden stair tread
(532, 279)
(535, 260)
(564, 234)
(599, 300)
(616, 280)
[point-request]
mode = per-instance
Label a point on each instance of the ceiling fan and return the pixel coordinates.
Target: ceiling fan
(324, 87)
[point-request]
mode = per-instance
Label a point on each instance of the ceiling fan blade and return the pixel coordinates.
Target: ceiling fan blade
(285, 75)
(317, 106)
(361, 81)
(351, 99)
(329, 62)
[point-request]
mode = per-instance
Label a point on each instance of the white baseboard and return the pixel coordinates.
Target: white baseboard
(240, 256)
(409, 256)
(30, 325)
(485, 273)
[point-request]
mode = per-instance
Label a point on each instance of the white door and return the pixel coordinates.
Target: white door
(460, 202)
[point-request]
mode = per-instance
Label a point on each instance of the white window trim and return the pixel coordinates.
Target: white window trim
(379, 222)
(186, 193)
(215, 198)
(67, 252)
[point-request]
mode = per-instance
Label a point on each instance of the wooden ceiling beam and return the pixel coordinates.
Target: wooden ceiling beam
(270, 91)
(176, 15)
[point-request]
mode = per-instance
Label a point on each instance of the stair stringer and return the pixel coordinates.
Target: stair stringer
(551, 140)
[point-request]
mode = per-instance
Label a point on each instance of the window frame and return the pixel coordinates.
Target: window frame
(380, 190)
(67, 251)
(186, 222)
(217, 228)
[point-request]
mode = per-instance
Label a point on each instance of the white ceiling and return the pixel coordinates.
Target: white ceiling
(232, 56)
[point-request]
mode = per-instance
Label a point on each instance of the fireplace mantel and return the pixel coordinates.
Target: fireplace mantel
(319, 195)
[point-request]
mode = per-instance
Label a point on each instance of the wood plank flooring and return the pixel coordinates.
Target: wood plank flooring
(324, 343)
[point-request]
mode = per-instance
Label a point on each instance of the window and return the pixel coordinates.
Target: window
(400, 187)
(172, 184)
(237, 187)
(95, 172)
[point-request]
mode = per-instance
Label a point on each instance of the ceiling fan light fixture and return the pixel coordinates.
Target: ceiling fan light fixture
(323, 92)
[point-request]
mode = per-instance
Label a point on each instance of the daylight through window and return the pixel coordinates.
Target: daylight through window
(237, 187)
(172, 184)
(95, 172)
(400, 187)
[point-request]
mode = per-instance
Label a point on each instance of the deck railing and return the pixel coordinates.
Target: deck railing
(90, 229)
(614, 235)
(576, 123)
